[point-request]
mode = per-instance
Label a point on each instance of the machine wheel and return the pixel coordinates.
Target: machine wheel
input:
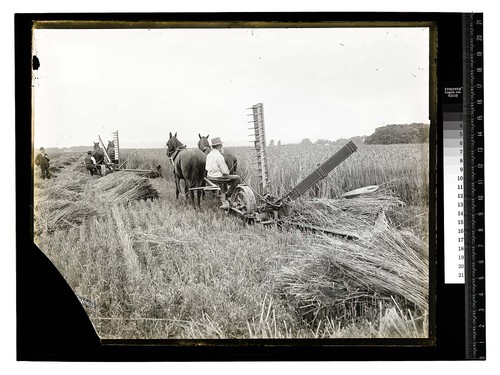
(243, 199)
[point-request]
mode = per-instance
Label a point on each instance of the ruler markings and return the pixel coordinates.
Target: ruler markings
(475, 331)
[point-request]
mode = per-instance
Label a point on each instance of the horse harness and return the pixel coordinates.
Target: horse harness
(176, 152)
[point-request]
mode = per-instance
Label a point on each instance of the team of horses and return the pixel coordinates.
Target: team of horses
(189, 165)
(98, 153)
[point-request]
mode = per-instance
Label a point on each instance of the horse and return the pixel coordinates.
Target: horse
(230, 159)
(98, 153)
(111, 151)
(189, 165)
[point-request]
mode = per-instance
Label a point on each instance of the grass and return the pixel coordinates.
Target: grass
(155, 268)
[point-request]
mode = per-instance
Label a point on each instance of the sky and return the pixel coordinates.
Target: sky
(325, 83)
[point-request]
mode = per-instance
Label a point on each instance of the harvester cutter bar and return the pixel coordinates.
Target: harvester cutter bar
(322, 171)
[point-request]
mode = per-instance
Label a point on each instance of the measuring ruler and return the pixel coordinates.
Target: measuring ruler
(463, 185)
(475, 314)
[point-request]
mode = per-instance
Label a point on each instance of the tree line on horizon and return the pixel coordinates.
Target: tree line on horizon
(384, 135)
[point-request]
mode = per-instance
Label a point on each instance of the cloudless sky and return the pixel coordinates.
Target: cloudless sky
(314, 83)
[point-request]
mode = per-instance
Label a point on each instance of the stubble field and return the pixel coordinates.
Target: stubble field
(156, 268)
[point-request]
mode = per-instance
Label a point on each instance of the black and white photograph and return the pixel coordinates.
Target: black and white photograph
(237, 180)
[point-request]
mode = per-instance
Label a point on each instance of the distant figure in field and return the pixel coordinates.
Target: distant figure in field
(90, 163)
(42, 161)
(217, 170)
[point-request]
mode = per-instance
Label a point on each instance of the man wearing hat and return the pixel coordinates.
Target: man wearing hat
(42, 160)
(217, 170)
(90, 163)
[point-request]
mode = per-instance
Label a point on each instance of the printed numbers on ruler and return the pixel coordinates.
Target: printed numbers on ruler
(460, 205)
(454, 202)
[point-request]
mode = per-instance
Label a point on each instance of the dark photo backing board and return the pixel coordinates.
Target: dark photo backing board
(53, 326)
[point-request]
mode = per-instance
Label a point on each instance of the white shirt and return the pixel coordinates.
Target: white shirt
(216, 166)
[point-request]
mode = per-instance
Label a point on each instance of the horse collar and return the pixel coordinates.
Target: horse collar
(176, 152)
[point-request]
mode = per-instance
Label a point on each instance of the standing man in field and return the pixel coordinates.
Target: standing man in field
(42, 160)
(217, 170)
(90, 163)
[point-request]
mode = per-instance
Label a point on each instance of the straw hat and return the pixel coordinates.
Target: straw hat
(216, 141)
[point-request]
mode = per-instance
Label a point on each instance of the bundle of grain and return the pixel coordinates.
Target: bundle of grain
(356, 216)
(60, 162)
(69, 160)
(68, 186)
(122, 187)
(78, 166)
(61, 214)
(74, 163)
(331, 275)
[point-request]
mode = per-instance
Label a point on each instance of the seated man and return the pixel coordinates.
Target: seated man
(90, 163)
(217, 170)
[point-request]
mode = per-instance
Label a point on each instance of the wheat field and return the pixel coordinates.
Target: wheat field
(148, 266)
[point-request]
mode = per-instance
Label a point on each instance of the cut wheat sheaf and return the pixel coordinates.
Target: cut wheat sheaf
(75, 196)
(382, 262)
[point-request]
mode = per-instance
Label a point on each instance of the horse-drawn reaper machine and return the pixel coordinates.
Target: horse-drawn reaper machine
(261, 207)
(111, 159)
